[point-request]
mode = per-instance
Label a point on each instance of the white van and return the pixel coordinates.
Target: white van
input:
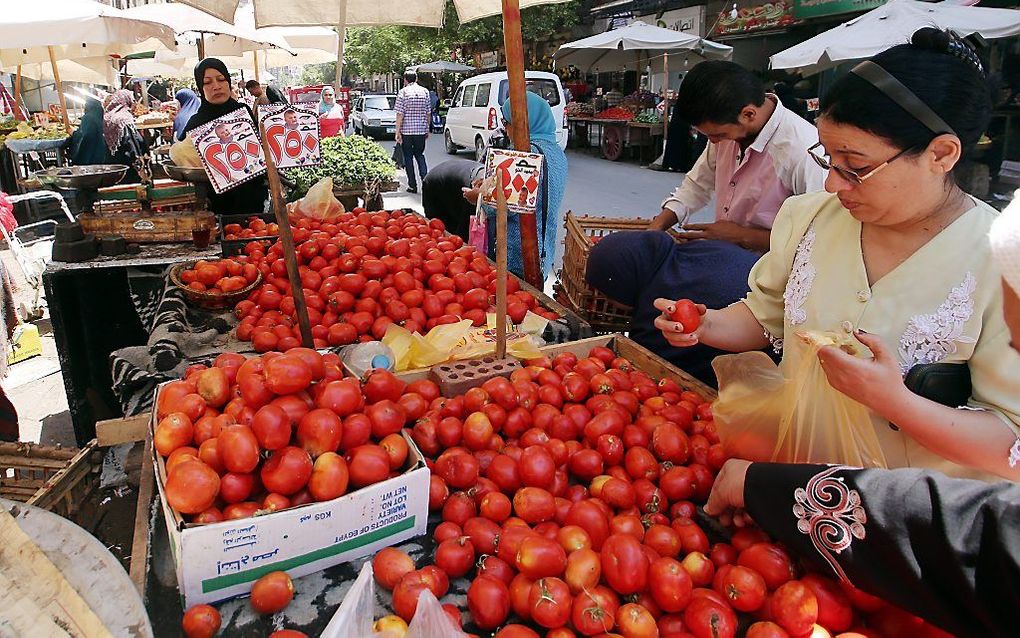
(475, 112)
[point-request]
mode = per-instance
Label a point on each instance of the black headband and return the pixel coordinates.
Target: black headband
(904, 97)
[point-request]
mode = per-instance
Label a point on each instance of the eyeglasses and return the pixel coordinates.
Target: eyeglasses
(850, 175)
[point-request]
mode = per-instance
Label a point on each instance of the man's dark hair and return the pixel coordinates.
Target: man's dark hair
(251, 84)
(410, 76)
(717, 91)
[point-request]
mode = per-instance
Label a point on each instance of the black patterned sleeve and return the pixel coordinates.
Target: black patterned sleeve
(945, 549)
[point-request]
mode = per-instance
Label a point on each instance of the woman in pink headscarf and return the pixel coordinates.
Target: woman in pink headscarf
(123, 141)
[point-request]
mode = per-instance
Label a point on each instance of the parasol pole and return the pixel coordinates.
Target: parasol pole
(60, 94)
(665, 97)
(341, 34)
(287, 239)
(201, 47)
(255, 61)
(17, 95)
(519, 129)
(501, 268)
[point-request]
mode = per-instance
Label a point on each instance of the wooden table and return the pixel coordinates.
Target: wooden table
(612, 137)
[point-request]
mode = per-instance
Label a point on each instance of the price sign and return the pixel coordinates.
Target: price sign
(519, 175)
(292, 134)
(230, 150)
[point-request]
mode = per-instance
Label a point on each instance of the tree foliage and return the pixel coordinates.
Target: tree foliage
(391, 49)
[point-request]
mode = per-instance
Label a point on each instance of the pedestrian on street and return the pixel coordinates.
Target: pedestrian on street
(268, 95)
(414, 112)
(755, 160)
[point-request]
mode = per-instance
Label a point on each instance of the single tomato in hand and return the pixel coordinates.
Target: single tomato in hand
(685, 312)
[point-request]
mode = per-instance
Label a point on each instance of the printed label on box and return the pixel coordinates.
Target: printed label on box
(230, 150)
(292, 134)
(520, 175)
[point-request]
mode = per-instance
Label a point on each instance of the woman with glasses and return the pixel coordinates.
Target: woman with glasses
(898, 255)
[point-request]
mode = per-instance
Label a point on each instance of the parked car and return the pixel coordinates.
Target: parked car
(373, 115)
(475, 112)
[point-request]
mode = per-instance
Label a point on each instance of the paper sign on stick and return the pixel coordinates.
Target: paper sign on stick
(519, 174)
(230, 150)
(292, 134)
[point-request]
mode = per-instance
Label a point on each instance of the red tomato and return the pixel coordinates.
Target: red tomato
(534, 505)
(238, 448)
(387, 417)
(458, 468)
(770, 561)
(271, 426)
(389, 565)
(459, 507)
(342, 397)
(235, 487)
(669, 584)
(319, 431)
(686, 313)
(550, 602)
(538, 557)
(287, 374)
(624, 564)
(583, 570)
(368, 464)
(594, 611)
(405, 593)
(834, 610)
(174, 431)
(272, 593)
(588, 516)
(192, 487)
(329, 477)
(496, 567)
(635, 621)
(382, 385)
(455, 556)
(488, 601)
(516, 631)
(707, 618)
(794, 607)
(287, 470)
(536, 467)
(438, 492)
(201, 621)
(766, 629)
(743, 588)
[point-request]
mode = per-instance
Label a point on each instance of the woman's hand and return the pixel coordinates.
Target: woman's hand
(876, 383)
(726, 501)
(471, 194)
(673, 330)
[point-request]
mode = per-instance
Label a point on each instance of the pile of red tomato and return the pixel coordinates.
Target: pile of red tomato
(219, 275)
(266, 433)
(567, 496)
(364, 271)
(253, 227)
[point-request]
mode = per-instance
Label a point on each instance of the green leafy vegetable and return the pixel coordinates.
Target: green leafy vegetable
(351, 161)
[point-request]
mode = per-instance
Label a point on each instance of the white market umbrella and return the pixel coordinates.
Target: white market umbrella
(889, 25)
(218, 37)
(634, 45)
(53, 30)
(444, 66)
(98, 71)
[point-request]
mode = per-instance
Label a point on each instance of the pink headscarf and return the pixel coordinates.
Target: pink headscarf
(117, 116)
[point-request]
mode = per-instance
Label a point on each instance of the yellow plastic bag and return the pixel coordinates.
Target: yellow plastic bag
(764, 415)
(319, 202)
(183, 153)
(414, 351)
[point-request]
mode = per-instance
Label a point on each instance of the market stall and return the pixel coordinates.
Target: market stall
(635, 123)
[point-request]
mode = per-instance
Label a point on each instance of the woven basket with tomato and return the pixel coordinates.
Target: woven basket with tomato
(215, 284)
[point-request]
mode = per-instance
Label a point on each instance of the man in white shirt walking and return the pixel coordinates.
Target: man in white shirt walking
(414, 110)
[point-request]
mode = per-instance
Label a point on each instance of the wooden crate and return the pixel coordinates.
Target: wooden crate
(572, 289)
(61, 480)
(151, 228)
(644, 359)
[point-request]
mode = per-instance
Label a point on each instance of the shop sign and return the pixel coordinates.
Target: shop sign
(292, 134)
(689, 20)
(803, 9)
(489, 60)
(519, 175)
(230, 150)
(771, 15)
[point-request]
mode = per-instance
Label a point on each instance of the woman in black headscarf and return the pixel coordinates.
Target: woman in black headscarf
(213, 82)
(86, 145)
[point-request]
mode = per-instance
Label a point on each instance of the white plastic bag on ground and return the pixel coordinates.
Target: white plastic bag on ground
(430, 621)
(356, 614)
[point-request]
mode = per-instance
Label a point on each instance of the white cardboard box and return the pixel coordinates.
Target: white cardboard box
(221, 560)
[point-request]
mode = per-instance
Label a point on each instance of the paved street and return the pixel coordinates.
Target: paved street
(594, 186)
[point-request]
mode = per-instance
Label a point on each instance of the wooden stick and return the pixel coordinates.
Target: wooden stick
(255, 61)
(501, 215)
(287, 238)
(665, 97)
(139, 567)
(17, 95)
(341, 34)
(201, 49)
(60, 92)
(519, 130)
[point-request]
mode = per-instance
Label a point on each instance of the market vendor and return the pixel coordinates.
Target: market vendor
(331, 114)
(897, 254)
(213, 80)
(755, 161)
(123, 141)
(86, 145)
(921, 538)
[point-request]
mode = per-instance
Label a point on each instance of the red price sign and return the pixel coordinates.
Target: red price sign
(292, 134)
(230, 150)
(519, 174)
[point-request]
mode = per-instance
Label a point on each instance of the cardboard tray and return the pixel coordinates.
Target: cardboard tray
(218, 561)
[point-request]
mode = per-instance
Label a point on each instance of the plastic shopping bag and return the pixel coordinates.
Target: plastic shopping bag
(478, 232)
(763, 414)
(355, 616)
(319, 202)
(430, 621)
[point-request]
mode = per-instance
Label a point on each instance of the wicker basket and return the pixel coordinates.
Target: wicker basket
(61, 480)
(210, 300)
(604, 314)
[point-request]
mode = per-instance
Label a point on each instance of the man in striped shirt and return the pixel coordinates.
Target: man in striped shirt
(414, 110)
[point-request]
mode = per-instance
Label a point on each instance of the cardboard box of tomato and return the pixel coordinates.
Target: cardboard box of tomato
(217, 561)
